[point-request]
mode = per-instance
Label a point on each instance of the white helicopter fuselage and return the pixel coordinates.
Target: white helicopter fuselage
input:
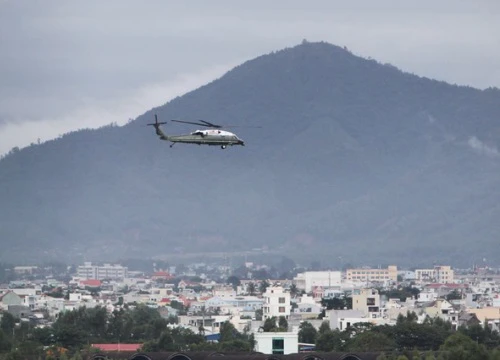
(216, 136)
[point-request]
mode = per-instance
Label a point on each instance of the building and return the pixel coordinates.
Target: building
(23, 270)
(373, 275)
(281, 343)
(367, 301)
(276, 303)
(104, 272)
(10, 298)
(308, 280)
(335, 317)
(439, 274)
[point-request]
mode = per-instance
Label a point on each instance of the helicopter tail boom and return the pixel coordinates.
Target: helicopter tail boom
(159, 132)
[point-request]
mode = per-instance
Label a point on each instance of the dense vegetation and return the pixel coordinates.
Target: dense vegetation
(354, 157)
(75, 331)
(434, 337)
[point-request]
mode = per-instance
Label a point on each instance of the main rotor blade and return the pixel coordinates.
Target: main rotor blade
(210, 124)
(228, 126)
(241, 126)
(202, 123)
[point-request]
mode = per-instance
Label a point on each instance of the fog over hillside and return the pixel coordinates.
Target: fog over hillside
(354, 159)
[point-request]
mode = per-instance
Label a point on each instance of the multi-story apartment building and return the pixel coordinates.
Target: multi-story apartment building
(439, 274)
(276, 303)
(309, 279)
(367, 301)
(106, 271)
(371, 275)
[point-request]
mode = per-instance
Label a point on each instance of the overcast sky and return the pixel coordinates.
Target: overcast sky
(66, 65)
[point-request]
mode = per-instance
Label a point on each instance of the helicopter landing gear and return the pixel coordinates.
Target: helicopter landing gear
(172, 145)
(223, 146)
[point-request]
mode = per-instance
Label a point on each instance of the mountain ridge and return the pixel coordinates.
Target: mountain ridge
(351, 153)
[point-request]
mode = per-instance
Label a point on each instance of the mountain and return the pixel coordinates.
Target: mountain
(355, 159)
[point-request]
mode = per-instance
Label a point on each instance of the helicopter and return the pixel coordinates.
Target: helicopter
(213, 136)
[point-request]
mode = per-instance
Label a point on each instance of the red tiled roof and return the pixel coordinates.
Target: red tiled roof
(91, 282)
(162, 274)
(117, 347)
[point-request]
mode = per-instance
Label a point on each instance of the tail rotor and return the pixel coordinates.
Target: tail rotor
(156, 124)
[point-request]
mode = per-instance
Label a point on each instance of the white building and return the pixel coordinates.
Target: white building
(337, 316)
(107, 271)
(276, 303)
(427, 295)
(277, 342)
(309, 279)
(439, 274)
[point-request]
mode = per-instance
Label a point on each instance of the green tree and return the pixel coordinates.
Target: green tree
(324, 327)
(329, 340)
(495, 354)
(258, 314)
(454, 295)
(461, 347)
(307, 333)
(294, 291)
(44, 336)
(482, 335)
(8, 323)
(251, 288)
(264, 284)
(5, 343)
(236, 345)
(371, 341)
(335, 303)
(282, 323)
(429, 356)
(228, 332)
(269, 324)
(234, 281)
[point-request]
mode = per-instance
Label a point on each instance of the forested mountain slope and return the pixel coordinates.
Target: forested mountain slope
(354, 159)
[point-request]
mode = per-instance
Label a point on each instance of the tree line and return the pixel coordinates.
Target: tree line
(432, 339)
(75, 331)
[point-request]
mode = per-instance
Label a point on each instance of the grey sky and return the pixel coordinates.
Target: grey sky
(66, 65)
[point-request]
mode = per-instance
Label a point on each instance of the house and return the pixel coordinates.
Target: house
(277, 342)
(10, 298)
(307, 307)
(162, 276)
(367, 301)
(276, 303)
(443, 309)
(467, 319)
(307, 280)
(336, 317)
(488, 315)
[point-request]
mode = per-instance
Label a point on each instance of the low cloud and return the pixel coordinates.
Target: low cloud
(97, 113)
(483, 148)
